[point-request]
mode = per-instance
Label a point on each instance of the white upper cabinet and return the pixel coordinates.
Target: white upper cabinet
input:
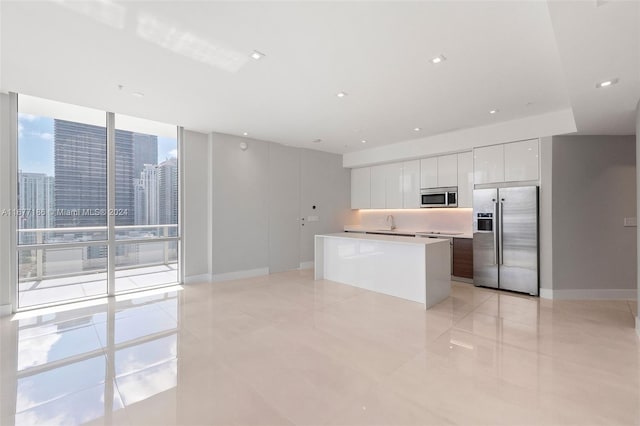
(440, 171)
(394, 185)
(429, 172)
(521, 161)
(361, 188)
(488, 164)
(510, 162)
(448, 170)
(411, 184)
(465, 179)
(378, 187)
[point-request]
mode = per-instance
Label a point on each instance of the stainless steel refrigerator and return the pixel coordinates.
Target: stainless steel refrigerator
(505, 238)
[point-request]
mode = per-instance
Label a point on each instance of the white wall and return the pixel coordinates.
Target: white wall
(195, 197)
(545, 222)
(6, 153)
(638, 211)
(554, 123)
(594, 189)
(240, 203)
(326, 185)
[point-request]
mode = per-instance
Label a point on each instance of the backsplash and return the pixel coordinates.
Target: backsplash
(444, 220)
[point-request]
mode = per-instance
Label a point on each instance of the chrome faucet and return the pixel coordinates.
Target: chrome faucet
(390, 222)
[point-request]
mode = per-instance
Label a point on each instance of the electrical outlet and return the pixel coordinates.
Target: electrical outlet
(630, 221)
(313, 218)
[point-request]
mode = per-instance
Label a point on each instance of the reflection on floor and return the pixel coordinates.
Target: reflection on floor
(52, 290)
(285, 349)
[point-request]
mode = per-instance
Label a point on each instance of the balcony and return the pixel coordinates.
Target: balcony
(63, 264)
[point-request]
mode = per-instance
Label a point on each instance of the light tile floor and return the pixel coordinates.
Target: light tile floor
(284, 349)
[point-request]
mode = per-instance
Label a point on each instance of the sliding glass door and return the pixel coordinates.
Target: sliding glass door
(97, 203)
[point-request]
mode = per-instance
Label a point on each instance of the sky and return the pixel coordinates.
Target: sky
(36, 142)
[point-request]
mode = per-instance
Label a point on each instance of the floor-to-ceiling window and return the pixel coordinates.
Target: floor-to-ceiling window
(97, 203)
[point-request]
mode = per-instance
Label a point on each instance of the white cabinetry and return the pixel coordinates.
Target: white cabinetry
(511, 162)
(488, 164)
(361, 188)
(448, 170)
(394, 187)
(386, 186)
(440, 171)
(429, 172)
(411, 184)
(378, 187)
(465, 179)
(521, 161)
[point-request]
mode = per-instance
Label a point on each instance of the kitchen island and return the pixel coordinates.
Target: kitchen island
(415, 269)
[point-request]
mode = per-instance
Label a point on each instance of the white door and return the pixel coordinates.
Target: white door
(284, 208)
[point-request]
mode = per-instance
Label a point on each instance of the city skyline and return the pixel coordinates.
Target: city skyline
(36, 145)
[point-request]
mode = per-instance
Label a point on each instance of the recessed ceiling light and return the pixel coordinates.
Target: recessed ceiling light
(138, 94)
(607, 83)
(257, 55)
(438, 59)
(494, 111)
(245, 134)
(416, 129)
(316, 140)
(341, 94)
(363, 141)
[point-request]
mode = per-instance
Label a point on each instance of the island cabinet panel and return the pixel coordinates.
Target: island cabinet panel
(463, 257)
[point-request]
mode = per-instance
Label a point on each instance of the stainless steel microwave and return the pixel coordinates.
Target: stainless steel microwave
(439, 197)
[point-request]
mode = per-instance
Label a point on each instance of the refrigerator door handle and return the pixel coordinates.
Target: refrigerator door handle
(496, 259)
(500, 239)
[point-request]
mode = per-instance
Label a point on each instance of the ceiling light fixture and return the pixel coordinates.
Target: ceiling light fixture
(257, 55)
(416, 129)
(494, 111)
(607, 83)
(245, 134)
(438, 59)
(341, 94)
(363, 141)
(138, 94)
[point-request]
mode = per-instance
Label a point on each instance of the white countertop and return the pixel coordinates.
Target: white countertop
(360, 228)
(384, 238)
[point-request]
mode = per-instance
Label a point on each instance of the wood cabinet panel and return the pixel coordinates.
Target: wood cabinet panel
(463, 257)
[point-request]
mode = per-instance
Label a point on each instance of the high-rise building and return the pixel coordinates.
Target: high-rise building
(80, 162)
(168, 191)
(145, 151)
(35, 203)
(146, 196)
(81, 173)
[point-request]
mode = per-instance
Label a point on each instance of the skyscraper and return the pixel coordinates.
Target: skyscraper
(168, 191)
(36, 204)
(146, 196)
(80, 162)
(81, 172)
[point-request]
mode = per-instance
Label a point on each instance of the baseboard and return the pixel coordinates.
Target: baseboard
(307, 265)
(197, 278)
(462, 279)
(546, 293)
(589, 294)
(236, 275)
(6, 310)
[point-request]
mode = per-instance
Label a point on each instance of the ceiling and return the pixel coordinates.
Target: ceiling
(191, 60)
